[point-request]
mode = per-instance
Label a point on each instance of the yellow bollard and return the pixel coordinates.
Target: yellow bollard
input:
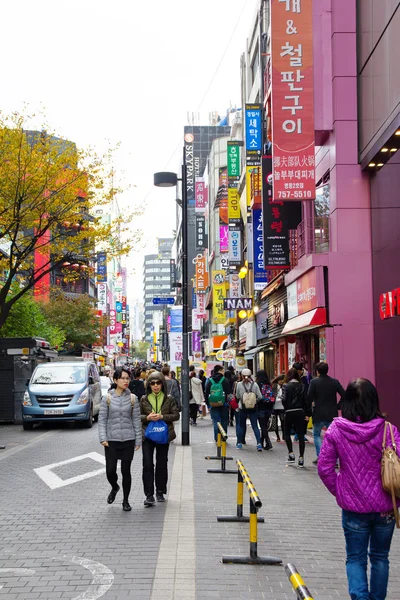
(223, 436)
(297, 582)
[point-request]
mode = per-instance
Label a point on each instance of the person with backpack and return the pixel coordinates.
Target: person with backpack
(120, 433)
(265, 406)
(357, 440)
(216, 397)
(136, 385)
(247, 395)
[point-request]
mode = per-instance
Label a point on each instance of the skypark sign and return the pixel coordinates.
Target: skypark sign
(238, 304)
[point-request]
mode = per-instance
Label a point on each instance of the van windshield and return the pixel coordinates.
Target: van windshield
(46, 374)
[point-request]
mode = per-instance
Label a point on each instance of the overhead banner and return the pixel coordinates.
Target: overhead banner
(201, 195)
(176, 347)
(233, 205)
(235, 237)
(201, 275)
(201, 236)
(219, 293)
(233, 150)
(293, 137)
(278, 218)
(260, 274)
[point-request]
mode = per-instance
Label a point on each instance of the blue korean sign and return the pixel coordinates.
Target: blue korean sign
(164, 300)
(101, 267)
(260, 274)
(118, 307)
(194, 299)
(253, 116)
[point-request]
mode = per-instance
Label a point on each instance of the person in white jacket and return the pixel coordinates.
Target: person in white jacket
(196, 396)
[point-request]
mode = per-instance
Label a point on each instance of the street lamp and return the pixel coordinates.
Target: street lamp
(167, 179)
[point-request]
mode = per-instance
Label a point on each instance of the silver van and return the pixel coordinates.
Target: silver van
(62, 391)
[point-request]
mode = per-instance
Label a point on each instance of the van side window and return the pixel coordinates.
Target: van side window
(93, 372)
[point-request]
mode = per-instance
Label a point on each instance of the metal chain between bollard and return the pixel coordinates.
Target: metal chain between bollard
(255, 504)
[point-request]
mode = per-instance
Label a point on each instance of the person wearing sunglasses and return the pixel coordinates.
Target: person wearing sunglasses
(156, 405)
(120, 433)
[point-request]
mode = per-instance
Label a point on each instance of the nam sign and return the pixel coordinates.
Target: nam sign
(238, 304)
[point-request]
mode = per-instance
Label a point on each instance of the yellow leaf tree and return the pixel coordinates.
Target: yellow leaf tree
(48, 192)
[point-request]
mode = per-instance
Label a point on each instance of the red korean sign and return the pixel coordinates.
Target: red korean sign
(293, 138)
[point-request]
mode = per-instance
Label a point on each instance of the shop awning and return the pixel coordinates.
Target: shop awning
(310, 320)
(250, 353)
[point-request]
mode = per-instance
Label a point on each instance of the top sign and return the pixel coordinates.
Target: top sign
(164, 300)
(293, 137)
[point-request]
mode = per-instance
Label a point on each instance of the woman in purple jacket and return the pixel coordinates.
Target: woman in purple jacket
(368, 519)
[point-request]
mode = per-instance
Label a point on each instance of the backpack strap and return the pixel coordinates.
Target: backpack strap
(108, 400)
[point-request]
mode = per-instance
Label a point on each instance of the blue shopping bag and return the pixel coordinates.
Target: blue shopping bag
(157, 432)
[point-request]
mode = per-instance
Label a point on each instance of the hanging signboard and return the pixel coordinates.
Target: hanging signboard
(219, 293)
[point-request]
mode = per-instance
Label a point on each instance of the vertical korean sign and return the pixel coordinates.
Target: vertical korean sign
(219, 293)
(260, 275)
(275, 227)
(293, 138)
(233, 148)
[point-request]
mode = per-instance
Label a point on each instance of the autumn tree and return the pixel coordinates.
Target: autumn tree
(48, 191)
(75, 316)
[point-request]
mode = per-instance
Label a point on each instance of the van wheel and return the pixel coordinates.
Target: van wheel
(27, 426)
(89, 422)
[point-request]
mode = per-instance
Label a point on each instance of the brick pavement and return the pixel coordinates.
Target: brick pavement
(173, 551)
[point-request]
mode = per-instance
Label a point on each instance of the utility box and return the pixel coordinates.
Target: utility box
(18, 359)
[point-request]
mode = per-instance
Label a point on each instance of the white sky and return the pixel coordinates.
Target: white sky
(125, 71)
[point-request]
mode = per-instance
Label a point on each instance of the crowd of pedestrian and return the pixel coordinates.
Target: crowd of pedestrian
(142, 406)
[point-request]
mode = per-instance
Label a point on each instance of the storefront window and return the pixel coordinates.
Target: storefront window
(321, 215)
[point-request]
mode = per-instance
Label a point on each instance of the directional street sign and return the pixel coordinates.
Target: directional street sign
(163, 300)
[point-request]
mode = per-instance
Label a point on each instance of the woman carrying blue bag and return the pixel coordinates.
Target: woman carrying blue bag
(158, 413)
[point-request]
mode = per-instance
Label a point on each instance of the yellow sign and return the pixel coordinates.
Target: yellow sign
(233, 206)
(219, 293)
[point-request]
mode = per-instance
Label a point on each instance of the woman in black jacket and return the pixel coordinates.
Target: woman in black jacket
(296, 411)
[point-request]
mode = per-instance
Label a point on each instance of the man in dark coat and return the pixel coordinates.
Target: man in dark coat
(322, 394)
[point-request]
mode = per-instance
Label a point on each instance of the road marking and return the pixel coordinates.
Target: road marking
(102, 576)
(17, 571)
(35, 440)
(54, 481)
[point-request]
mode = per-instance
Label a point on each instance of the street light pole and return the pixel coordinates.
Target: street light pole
(185, 320)
(169, 180)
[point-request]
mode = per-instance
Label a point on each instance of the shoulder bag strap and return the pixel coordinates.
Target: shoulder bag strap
(384, 436)
(392, 437)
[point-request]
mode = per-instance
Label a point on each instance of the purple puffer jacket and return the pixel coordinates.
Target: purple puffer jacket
(357, 486)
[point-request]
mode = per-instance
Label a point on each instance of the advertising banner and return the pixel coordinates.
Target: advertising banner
(201, 193)
(196, 344)
(219, 293)
(233, 205)
(101, 273)
(176, 319)
(196, 321)
(201, 236)
(201, 306)
(234, 285)
(303, 294)
(172, 274)
(223, 238)
(190, 174)
(260, 275)
(235, 246)
(201, 275)
(113, 322)
(253, 129)
(102, 297)
(233, 159)
(176, 347)
(224, 259)
(293, 145)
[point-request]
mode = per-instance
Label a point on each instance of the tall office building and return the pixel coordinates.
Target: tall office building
(156, 282)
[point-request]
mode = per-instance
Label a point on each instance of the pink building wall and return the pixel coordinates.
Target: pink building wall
(350, 339)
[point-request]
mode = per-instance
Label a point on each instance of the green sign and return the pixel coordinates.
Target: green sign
(233, 160)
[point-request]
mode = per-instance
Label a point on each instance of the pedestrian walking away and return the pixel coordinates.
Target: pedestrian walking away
(278, 411)
(172, 386)
(196, 396)
(136, 385)
(265, 407)
(216, 397)
(296, 411)
(248, 394)
(120, 433)
(156, 405)
(367, 510)
(323, 397)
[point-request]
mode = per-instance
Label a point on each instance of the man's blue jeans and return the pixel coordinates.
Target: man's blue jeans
(243, 416)
(317, 428)
(363, 530)
(219, 415)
